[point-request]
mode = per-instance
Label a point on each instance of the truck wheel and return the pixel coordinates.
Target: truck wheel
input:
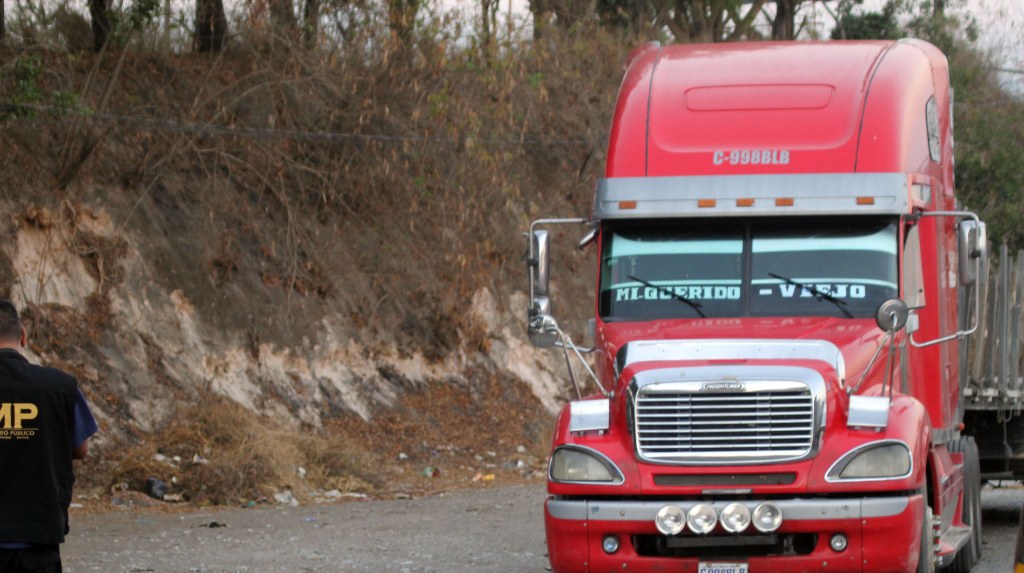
(926, 554)
(972, 495)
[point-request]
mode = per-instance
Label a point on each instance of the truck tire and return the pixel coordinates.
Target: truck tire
(926, 553)
(972, 499)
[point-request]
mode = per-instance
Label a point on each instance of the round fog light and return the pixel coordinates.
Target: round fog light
(767, 517)
(701, 518)
(610, 544)
(735, 517)
(838, 542)
(670, 520)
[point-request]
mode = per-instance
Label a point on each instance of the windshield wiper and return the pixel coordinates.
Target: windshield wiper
(818, 294)
(694, 305)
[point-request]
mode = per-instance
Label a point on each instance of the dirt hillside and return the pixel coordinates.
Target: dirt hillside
(286, 271)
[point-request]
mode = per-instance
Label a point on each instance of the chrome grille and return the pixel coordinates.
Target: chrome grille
(763, 421)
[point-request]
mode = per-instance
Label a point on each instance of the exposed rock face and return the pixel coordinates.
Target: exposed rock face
(314, 238)
(155, 350)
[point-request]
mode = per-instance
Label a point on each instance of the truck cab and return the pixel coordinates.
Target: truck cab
(783, 281)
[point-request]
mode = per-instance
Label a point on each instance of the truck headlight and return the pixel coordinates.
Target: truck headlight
(888, 459)
(575, 464)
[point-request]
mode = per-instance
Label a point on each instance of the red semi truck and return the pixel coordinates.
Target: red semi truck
(781, 299)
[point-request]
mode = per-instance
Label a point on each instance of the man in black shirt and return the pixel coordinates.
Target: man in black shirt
(45, 423)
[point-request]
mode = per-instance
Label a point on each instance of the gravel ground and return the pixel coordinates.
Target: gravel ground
(1000, 507)
(499, 529)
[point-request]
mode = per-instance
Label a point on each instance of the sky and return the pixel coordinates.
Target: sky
(1000, 23)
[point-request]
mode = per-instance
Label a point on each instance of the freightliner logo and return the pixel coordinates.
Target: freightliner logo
(722, 386)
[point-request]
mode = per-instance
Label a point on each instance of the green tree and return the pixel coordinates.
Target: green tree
(211, 26)
(708, 20)
(402, 19)
(859, 25)
(99, 12)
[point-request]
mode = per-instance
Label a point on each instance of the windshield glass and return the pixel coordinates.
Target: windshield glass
(725, 268)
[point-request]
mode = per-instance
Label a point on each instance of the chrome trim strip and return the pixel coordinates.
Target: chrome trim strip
(848, 457)
(812, 194)
(731, 349)
(792, 509)
(562, 509)
(755, 379)
(589, 415)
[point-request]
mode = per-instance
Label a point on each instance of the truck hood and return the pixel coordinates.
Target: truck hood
(855, 341)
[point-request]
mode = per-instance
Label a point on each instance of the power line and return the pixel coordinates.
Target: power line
(162, 125)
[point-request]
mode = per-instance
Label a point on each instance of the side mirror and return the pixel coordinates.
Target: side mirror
(972, 244)
(540, 270)
(541, 328)
(891, 315)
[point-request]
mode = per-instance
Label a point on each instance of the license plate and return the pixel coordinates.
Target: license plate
(720, 567)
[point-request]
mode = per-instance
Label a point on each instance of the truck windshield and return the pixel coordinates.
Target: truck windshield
(726, 268)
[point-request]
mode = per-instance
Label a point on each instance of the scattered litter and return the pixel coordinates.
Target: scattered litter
(199, 460)
(337, 495)
(309, 519)
(403, 456)
(174, 497)
(156, 488)
(301, 471)
(431, 472)
(521, 449)
(286, 497)
(132, 499)
(483, 477)
(214, 525)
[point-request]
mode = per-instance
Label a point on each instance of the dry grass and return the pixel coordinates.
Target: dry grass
(220, 453)
(274, 188)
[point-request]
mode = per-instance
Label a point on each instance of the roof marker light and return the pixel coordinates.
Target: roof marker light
(865, 200)
(627, 204)
(783, 201)
(706, 203)
(745, 202)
